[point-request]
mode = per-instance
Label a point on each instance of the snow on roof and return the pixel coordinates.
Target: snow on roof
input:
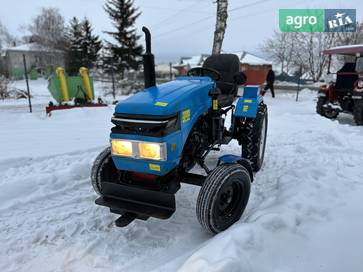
(194, 61)
(244, 57)
(248, 58)
(164, 69)
(30, 47)
(347, 46)
(345, 49)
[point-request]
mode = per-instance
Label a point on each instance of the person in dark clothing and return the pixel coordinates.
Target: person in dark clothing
(270, 79)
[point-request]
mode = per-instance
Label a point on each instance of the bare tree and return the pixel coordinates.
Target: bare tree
(348, 38)
(5, 38)
(280, 48)
(295, 50)
(310, 52)
(221, 25)
(48, 28)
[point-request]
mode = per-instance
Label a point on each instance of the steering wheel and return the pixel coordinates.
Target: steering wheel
(205, 71)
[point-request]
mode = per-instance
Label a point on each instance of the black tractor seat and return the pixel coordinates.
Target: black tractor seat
(227, 65)
(346, 77)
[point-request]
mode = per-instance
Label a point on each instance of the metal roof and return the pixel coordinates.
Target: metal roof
(345, 50)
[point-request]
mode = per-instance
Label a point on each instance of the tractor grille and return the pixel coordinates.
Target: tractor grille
(157, 126)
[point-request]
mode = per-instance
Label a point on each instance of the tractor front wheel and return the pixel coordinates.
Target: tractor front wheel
(103, 169)
(323, 110)
(223, 197)
(319, 105)
(358, 112)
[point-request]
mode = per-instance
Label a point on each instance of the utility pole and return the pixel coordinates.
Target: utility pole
(27, 84)
(171, 71)
(221, 26)
(298, 83)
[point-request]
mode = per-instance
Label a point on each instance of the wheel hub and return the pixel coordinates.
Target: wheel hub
(228, 198)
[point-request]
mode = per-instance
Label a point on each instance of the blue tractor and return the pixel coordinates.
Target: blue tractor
(163, 131)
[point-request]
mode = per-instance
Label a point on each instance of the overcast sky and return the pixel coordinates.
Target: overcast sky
(179, 27)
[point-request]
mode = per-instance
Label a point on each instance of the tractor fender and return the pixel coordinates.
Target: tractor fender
(323, 91)
(231, 159)
(247, 105)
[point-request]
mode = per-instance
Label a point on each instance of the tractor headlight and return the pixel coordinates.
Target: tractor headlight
(139, 150)
(150, 151)
(121, 148)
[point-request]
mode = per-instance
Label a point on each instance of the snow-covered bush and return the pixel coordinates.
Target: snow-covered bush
(4, 90)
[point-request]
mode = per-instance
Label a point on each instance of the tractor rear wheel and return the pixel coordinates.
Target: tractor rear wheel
(103, 169)
(254, 136)
(358, 112)
(223, 197)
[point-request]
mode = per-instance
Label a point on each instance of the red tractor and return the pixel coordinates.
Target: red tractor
(345, 93)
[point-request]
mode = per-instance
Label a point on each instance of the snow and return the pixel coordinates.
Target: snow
(304, 213)
(346, 49)
(194, 61)
(164, 69)
(251, 59)
(30, 47)
(346, 46)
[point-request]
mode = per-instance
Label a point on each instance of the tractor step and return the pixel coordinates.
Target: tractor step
(135, 202)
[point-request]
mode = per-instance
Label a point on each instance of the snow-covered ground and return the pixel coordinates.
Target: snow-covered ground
(305, 211)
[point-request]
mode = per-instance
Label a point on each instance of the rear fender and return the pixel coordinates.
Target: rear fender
(247, 105)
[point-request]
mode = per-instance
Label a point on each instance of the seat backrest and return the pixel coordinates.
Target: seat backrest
(227, 65)
(346, 81)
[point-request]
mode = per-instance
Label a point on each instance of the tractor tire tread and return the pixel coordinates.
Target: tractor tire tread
(251, 138)
(319, 105)
(358, 113)
(98, 164)
(208, 193)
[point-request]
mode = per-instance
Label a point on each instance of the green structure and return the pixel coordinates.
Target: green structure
(75, 87)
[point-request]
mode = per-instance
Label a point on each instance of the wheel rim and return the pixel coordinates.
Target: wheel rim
(263, 138)
(330, 113)
(229, 198)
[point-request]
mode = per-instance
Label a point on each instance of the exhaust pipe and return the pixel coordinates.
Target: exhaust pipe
(149, 61)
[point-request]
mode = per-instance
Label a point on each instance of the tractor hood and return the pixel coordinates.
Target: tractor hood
(167, 98)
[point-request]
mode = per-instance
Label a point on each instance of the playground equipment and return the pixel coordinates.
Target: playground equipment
(76, 89)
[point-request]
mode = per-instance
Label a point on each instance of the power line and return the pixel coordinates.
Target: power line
(208, 27)
(171, 9)
(208, 17)
(177, 13)
(248, 5)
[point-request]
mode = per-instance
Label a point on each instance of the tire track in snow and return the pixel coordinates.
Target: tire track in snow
(54, 224)
(59, 209)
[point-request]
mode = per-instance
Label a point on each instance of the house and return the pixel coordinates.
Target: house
(256, 68)
(38, 58)
(165, 71)
(187, 63)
